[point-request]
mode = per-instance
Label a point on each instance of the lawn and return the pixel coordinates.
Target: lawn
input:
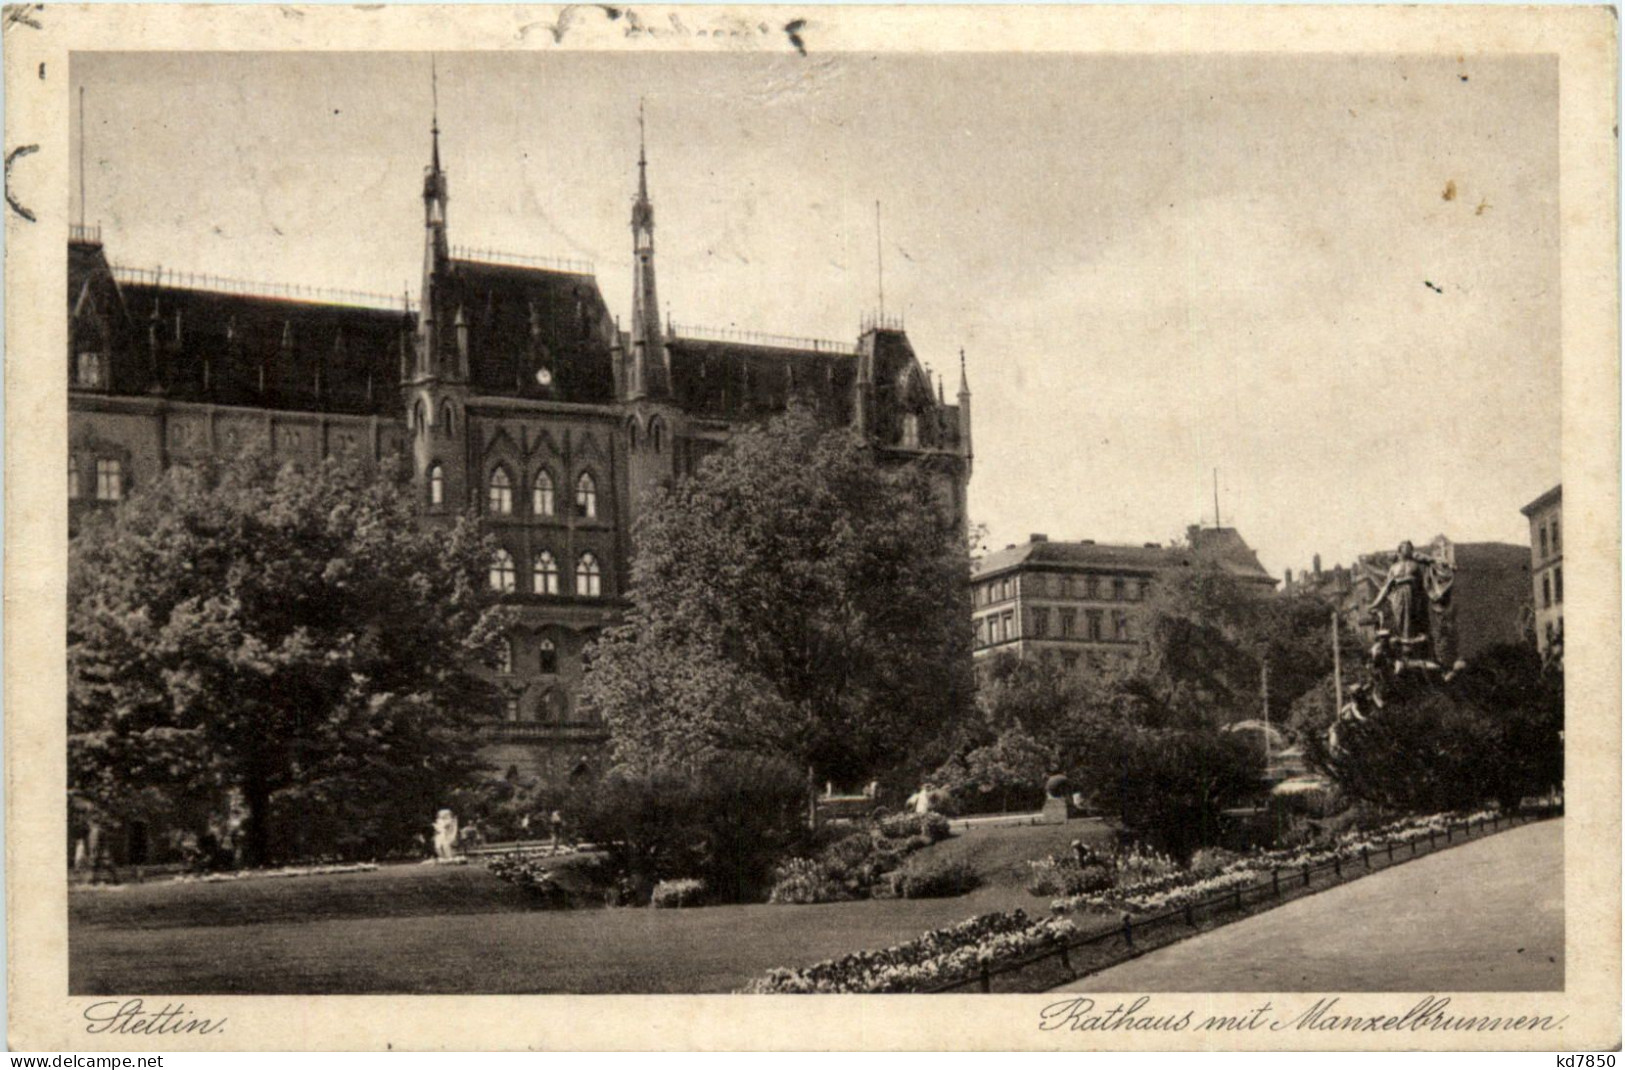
(422, 929)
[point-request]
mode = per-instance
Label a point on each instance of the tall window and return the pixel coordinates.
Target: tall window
(1010, 624)
(1144, 590)
(505, 657)
(548, 657)
(1557, 583)
(500, 494)
(420, 417)
(1546, 591)
(1094, 621)
(541, 494)
(502, 573)
(911, 430)
(445, 418)
(1557, 539)
(1119, 589)
(510, 707)
(586, 496)
(73, 475)
(587, 576)
(1069, 623)
(544, 574)
(1040, 623)
(1091, 587)
(109, 480)
(437, 485)
(1543, 550)
(1120, 626)
(657, 435)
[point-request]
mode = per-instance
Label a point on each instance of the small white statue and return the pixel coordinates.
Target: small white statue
(445, 835)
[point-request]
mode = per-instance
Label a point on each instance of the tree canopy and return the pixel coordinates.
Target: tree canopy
(795, 598)
(295, 641)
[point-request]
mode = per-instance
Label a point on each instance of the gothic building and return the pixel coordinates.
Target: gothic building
(514, 391)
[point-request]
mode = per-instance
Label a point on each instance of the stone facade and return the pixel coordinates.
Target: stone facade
(1064, 602)
(1545, 515)
(514, 392)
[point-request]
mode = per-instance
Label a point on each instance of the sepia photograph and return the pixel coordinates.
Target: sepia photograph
(779, 519)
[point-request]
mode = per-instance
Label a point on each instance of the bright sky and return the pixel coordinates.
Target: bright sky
(1335, 279)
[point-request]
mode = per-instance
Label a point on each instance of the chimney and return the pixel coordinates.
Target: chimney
(1038, 537)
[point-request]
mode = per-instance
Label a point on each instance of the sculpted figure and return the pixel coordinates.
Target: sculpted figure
(445, 835)
(1414, 581)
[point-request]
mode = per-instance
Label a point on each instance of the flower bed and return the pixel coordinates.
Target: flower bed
(1173, 890)
(269, 874)
(941, 955)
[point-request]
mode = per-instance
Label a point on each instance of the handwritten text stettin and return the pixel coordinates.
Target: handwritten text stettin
(132, 1017)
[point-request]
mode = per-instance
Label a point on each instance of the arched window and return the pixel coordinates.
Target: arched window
(657, 435)
(588, 578)
(505, 657)
(420, 417)
(499, 496)
(911, 430)
(510, 707)
(445, 418)
(109, 480)
(548, 657)
(502, 573)
(545, 574)
(586, 496)
(73, 475)
(541, 494)
(437, 485)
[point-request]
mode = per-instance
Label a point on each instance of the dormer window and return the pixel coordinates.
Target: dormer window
(911, 431)
(88, 370)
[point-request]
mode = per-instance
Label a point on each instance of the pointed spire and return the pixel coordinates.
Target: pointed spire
(434, 109)
(964, 383)
(650, 372)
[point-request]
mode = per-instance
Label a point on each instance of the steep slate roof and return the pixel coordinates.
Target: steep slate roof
(521, 317)
(319, 357)
(726, 380)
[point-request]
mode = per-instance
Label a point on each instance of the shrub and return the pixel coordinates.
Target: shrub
(727, 822)
(933, 826)
(678, 893)
(937, 879)
(804, 880)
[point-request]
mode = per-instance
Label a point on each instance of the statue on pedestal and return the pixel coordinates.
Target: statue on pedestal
(1416, 588)
(445, 836)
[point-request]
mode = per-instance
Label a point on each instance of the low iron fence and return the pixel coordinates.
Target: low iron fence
(1119, 941)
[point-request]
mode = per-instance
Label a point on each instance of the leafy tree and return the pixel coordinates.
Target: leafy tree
(725, 819)
(1208, 635)
(291, 640)
(794, 598)
(1493, 732)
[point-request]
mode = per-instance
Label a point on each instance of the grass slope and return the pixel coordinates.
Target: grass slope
(458, 929)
